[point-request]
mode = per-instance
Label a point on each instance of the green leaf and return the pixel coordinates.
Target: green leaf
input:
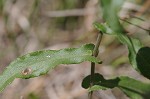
(143, 61)
(110, 10)
(138, 61)
(40, 62)
(86, 80)
(133, 44)
(114, 27)
(104, 28)
(139, 56)
(133, 88)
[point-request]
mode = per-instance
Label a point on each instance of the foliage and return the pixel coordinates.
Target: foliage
(40, 62)
(110, 10)
(139, 56)
(133, 88)
(143, 61)
(134, 45)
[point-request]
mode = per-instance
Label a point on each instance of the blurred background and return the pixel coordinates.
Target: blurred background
(30, 25)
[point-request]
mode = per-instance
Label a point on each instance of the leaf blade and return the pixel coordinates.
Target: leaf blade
(40, 62)
(115, 28)
(110, 10)
(133, 88)
(143, 61)
(133, 44)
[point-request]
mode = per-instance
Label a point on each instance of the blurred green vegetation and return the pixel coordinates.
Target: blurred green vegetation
(33, 96)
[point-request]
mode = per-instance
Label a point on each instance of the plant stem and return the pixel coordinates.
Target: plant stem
(95, 53)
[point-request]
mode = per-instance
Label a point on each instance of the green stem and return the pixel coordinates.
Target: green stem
(95, 53)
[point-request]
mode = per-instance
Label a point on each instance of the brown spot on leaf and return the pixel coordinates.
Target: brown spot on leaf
(26, 71)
